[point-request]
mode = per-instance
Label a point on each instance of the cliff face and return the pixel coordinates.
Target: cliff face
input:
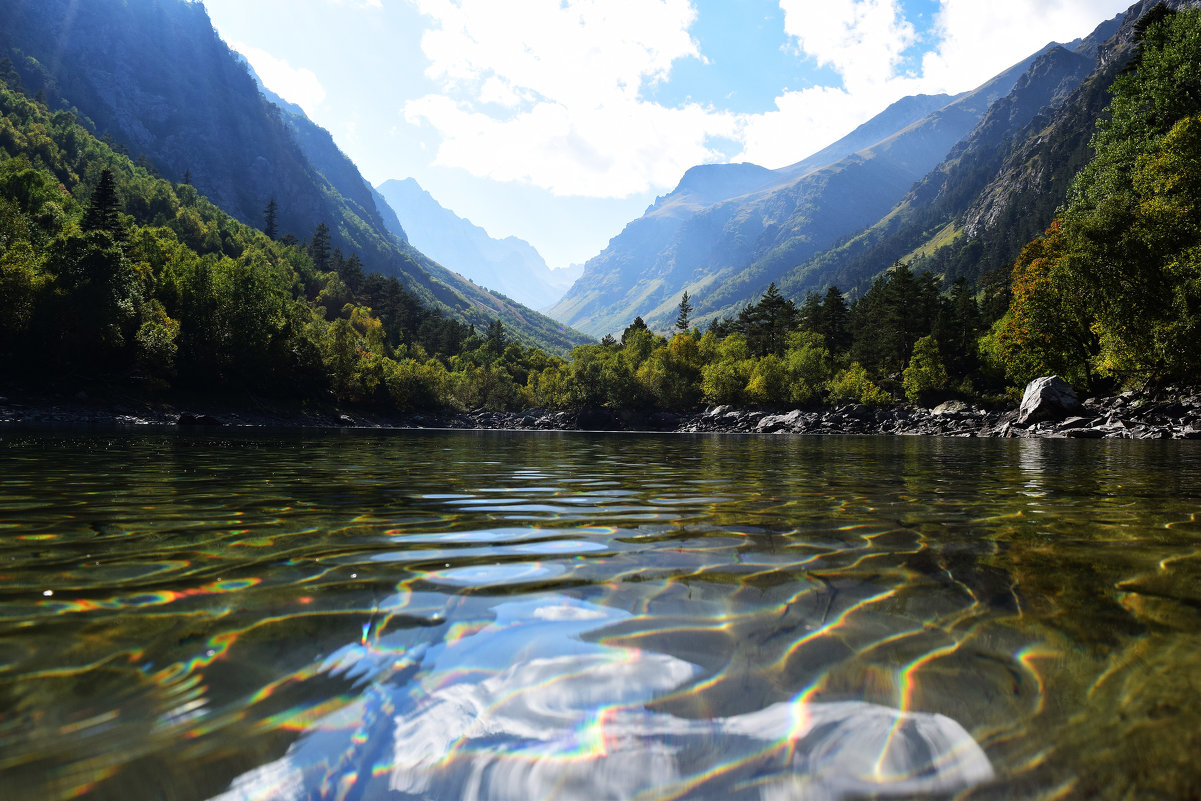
(1028, 178)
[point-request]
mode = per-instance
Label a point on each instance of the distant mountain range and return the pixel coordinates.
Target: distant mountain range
(154, 78)
(927, 173)
(510, 266)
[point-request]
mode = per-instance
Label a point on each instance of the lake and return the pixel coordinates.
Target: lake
(474, 615)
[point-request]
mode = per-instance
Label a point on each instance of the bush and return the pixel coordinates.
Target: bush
(852, 385)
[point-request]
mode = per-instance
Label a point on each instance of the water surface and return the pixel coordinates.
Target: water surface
(444, 615)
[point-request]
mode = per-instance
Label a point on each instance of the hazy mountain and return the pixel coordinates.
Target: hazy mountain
(154, 77)
(510, 266)
(1052, 109)
(728, 230)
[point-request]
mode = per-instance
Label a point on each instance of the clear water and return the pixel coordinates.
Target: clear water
(552, 616)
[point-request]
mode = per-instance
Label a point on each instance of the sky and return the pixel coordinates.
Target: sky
(559, 121)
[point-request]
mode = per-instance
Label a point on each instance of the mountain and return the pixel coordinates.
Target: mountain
(154, 78)
(728, 230)
(1031, 182)
(509, 265)
(1040, 130)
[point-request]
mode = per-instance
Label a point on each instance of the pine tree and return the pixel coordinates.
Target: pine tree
(766, 324)
(352, 272)
(685, 310)
(638, 325)
(835, 321)
(104, 212)
(320, 249)
(495, 337)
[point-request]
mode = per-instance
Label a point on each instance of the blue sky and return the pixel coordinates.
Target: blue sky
(559, 121)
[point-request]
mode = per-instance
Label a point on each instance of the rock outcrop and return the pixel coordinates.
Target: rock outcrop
(1047, 398)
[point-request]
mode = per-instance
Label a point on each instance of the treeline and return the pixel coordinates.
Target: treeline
(1112, 291)
(108, 272)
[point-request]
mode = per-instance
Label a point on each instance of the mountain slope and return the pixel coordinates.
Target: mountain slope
(153, 76)
(509, 265)
(930, 216)
(1023, 195)
(724, 250)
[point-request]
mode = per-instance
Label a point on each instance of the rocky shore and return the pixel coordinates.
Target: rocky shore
(1166, 413)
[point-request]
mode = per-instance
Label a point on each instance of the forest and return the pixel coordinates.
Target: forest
(110, 274)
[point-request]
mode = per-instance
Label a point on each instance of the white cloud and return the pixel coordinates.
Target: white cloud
(296, 85)
(610, 151)
(978, 40)
(864, 40)
(551, 93)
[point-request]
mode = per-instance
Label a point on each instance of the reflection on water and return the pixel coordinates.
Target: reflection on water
(466, 615)
(523, 709)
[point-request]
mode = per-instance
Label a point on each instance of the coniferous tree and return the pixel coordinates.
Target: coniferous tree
(271, 219)
(682, 317)
(638, 325)
(495, 336)
(352, 272)
(104, 209)
(766, 324)
(835, 321)
(809, 315)
(320, 248)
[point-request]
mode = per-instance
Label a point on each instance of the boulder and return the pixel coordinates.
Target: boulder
(777, 422)
(1047, 398)
(950, 407)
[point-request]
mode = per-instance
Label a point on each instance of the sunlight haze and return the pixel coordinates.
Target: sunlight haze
(560, 122)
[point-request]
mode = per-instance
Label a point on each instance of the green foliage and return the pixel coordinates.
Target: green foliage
(767, 322)
(852, 385)
(809, 366)
(197, 117)
(899, 309)
(925, 374)
(1047, 328)
(1113, 287)
(175, 290)
(107, 270)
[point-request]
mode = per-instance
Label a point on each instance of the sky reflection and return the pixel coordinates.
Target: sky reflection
(526, 706)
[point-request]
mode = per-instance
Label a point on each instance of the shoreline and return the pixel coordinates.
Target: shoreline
(1163, 414)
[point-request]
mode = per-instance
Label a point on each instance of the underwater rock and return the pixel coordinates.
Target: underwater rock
(527, 707)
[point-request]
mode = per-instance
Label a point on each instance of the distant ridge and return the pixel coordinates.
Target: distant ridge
(510, 266)
(155, 78)
(728, 230)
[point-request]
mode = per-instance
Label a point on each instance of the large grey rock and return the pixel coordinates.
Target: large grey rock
(1047, 398)
(776, 422)
(950, 407)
